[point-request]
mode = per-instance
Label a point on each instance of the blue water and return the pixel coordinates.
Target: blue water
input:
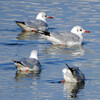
(14, 45)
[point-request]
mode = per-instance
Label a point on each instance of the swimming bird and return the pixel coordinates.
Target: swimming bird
(64, 38)
(28, 64)
(73, 74)
(39, 24)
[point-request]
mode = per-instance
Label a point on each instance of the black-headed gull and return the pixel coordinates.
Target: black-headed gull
(28, 64)
(73, 74)
(39, 24)
(64, 38)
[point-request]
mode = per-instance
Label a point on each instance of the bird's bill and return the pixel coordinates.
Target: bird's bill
(50, 17)
(87, 32)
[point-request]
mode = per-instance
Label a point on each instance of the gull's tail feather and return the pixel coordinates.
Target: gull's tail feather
(44, 33)
(25, 27)
(21, 24)
(69, 68)
(18, 22)
(18, 64)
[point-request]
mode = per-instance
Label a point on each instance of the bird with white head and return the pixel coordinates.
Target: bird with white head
(39, 24)
(65, 38)
(29, 64)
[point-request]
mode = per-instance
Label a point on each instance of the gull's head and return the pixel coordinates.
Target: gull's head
(33, 54)
(42, 16)
(78, 30)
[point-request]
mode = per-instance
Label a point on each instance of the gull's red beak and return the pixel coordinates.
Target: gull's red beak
(87, 32)
(50, 17)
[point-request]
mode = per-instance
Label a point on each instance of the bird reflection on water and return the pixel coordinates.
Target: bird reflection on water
(30, 75)
(27, 35)
(64, 50)
(72, 89)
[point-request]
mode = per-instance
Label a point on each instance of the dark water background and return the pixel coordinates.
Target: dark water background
(15, 45)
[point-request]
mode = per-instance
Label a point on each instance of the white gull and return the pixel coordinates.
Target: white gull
(28, 64)
(39, 24)
(64, 38)
(73, 74)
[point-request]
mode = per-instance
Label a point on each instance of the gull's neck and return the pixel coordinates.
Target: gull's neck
(79, 35)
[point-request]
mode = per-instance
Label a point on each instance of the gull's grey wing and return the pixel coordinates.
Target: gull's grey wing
(78, 74)
(30, 62)
(37, 24)
(65, 37)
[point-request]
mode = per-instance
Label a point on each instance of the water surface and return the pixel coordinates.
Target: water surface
(15, 44)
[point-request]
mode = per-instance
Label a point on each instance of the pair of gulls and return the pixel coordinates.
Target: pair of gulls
(70, 74)
(39, 25)
(32, 64)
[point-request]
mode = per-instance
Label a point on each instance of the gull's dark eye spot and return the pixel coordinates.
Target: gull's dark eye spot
(45, 15)
(80, 29)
